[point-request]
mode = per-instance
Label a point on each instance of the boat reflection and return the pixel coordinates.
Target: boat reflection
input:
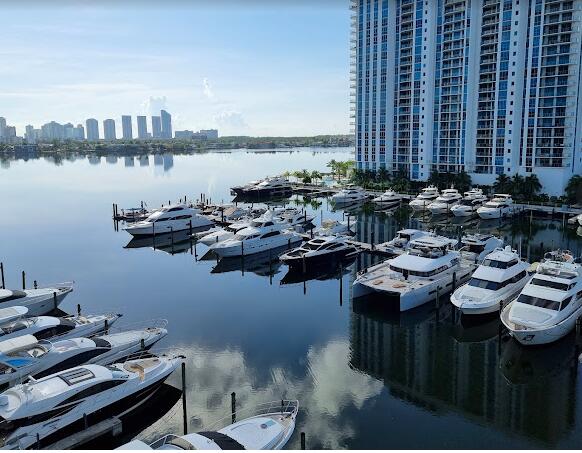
(328, 271)
(172, 243)
(265, 264)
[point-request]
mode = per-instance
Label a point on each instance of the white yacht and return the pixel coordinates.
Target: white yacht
(579, 219)
(38, 411)
(318, 251)
(334, 227)
(399, 244)
(388, 199)
(293, 217)
(228, 213)
(496, 282)
(474, 194)
(25, 356)
(266, 427)
(270, 187)
(424, 198)
(443, 203)
(476, 246)
(169, 219)
(467, 207)
(45, 327)
(429, 266)
(349, 194)
(550, 303)
(500, 206)
(38, 301)
(223, 233)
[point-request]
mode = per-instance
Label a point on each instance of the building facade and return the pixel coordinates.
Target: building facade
(126, 129)
(109, 129)
(166, 124)
(156, 127)
(142, 127)
(92, 127)
(488, 87)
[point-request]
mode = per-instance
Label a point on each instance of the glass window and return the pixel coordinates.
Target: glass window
(538, 302)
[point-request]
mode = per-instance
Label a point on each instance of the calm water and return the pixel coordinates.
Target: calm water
(364, 378)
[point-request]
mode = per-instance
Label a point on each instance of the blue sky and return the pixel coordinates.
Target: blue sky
(246, 67)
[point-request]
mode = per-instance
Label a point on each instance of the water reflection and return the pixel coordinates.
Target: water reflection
(329, 271)
(179, 242)
(265, 264)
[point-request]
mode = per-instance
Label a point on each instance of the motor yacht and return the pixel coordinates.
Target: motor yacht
(349, 194)
(500, 206)
(550, 303)
(223, 233)
(468, 207)
(399, 244)
(228, 213)
(240, 190)
(474, 194)
(36, 413)
(271, 187)
(169, 219)
(388, 199)
(26, 356)
(429, 267)
(319, 250)
(294, 217)
(424, 198)
(334, 227)
(39, 301)
(496, 282)
(476, 246)
(266, 427)
(46, 327)
(579, 219)
(443, 203)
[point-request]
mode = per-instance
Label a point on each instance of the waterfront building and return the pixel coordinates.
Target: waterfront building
(2, 126)
(79, 132)
(166, 124)
(92, 129)
(487, 87)
(184, 135)
(142, 127)
(30, 135)
(211, 134)
(126, 130)
(52, 131)
(109, 129)
(156, 127)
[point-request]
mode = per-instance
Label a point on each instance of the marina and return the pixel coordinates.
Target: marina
(351, 362)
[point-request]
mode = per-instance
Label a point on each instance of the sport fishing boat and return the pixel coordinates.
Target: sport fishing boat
(429, 268)
(349, 194)
(443, 203)
(497, 281)
(550, 303)
(266, 427)
(46, 327)
(25, 356)
(476, 246)
(388, 199)
(399, 244)
(169, 219)
(500, 206)
(39, 301)
(424, 198)
(38, 411)
(319, 250)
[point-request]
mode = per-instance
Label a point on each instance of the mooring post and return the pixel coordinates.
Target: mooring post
(2, 273)
(438, 306)
(55, 304)
(233, 406)
(190, 227)
(242, 247)
(172, 238)
(341, 284)
(106, 326)
(499, 335)
(142, 344)
(78, 309)
(302, 440)
(85, 421)
(35, 284)
(184, 408)
(23, 280)
(454, 281)
(37, 441)
(113, 209)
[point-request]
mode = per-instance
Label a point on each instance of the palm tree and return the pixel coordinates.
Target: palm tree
(304, 176)
(316, 176)
(463, 181)
(502, 184)
(383, 176)
(574, 189)
(333, 165)
(532, 186)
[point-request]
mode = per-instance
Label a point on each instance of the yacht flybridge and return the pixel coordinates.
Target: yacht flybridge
(550, 303)
(349, 194)
(443, 203)
(496, 282)
(429, 266)
(39, 410)
(388, 199)
(476, 246)
(424, 198)
(500, 206)
(169, 219)
(318, 251)
(38, 301)
(467, 207)
(399, 244)
(267, 427)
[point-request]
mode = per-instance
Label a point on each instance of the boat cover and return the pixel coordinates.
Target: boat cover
(222, 440)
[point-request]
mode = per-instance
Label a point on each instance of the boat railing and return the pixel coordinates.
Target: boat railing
(159, 323)
(162, 352)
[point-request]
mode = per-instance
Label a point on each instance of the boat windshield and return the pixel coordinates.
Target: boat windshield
(404, 236)
(499, 264)
(476, 248)
(485, 284)
(552, 284)
(539, 302)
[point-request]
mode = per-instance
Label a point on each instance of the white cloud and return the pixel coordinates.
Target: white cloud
(207, 88)
(231, 122)
(153, 105)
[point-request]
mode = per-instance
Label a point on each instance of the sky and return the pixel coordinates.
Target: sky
(246, 67)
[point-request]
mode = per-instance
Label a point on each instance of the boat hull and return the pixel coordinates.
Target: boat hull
(155, 229)
(237, 250)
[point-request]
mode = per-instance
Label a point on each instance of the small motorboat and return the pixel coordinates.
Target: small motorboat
(319, 250)
(267, 427)
(38, 301)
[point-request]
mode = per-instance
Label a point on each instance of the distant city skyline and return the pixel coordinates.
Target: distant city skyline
(288, 74)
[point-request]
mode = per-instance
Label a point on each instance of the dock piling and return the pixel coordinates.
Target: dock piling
(233, 406)
(2, 274)
(34, 284)
(341, 284)
(142, 344)
(55, 303)
(302, 440)
(78, 309)
(23, 280)
(85, 421)
(184, 408)
(106, 326)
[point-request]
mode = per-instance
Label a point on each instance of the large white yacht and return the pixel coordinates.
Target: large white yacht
(293, 217)
(276, 186)
(169, 219)
(331, 227)
(388, 199)
(269, 426)
(500, 206)
(349, 194)
(443, 203)
(223, 233)
(37, 411)
(550, 303)
(424, 198)
(318, 251)
(497, 281)
(475, 246)
(399, 244)
(467, 207)
(39, 301)
(429, 266)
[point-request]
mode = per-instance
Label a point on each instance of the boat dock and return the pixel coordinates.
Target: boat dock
(111, 426)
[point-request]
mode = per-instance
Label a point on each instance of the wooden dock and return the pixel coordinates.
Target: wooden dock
(111, 426)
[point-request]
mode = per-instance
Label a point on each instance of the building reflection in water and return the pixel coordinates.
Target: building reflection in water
(129, 161)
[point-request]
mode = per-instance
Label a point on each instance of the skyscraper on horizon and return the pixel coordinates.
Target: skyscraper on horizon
(2, 126)
(166, 124)
(142, 128)
(126, 129)
(109, 129)
(156, 127)
(92, 127)
(487, 87)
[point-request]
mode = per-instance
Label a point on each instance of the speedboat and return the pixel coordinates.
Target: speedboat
(476, 246)
(25, 356)
(39, 301)
(550, 303)
(45, 327)
(388, 198)
(169, 219)
(319, 250)
(399, 244)
(497, 281)
(429, 268)
(349, 194)
(267, 427)
(424, 198)
(500, 206)
(334, 227)
(36, 412)
(443, 203)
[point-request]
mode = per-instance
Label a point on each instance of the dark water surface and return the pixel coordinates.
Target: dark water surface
(365, 378)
